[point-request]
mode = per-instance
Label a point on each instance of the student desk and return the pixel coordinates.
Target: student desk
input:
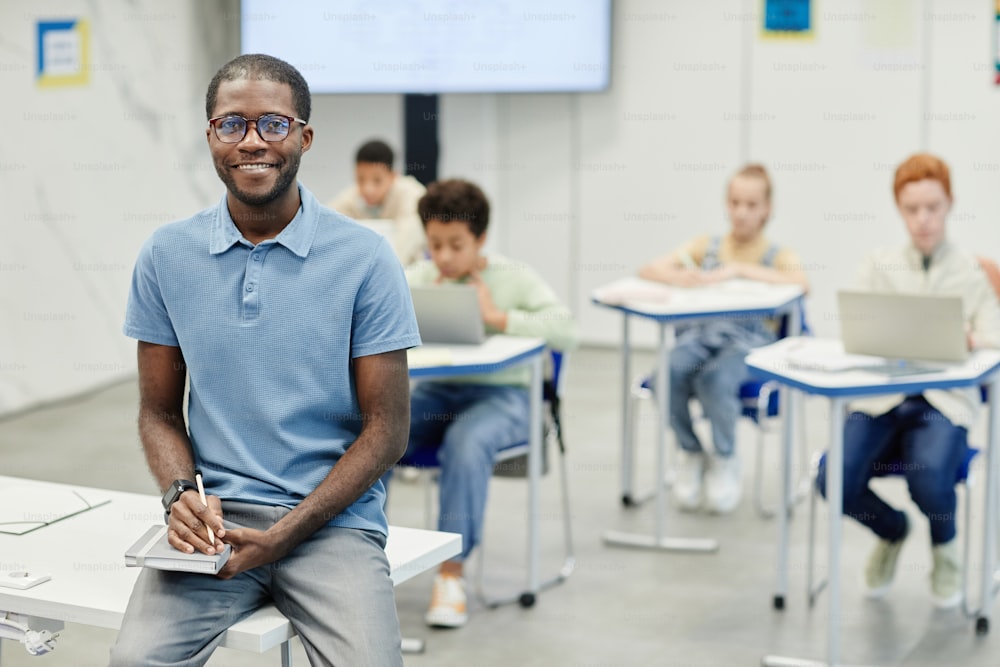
(669, 306)
(437, 362)
(772, 363)
(85, 554)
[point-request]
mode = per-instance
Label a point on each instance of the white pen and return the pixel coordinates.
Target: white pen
(201, 494)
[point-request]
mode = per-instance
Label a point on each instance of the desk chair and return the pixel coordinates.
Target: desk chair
(512, 461)
(896, 469)
(759, 401)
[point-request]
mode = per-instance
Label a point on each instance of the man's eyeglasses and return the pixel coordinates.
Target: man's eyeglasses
(271, 127)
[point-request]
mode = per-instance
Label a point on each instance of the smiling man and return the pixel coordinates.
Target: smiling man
(289, 324)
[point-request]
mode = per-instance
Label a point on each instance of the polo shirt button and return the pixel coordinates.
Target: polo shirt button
(249, 288)
(256, 258)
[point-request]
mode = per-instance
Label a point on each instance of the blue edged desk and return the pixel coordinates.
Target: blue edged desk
(436, 362)
(85, 554)
(669, 306)
(773, 363)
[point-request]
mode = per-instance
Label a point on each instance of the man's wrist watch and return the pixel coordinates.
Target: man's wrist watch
(173, 494)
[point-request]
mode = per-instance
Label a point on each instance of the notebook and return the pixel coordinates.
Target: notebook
(154, 551)
(448, 314)
(24, 508)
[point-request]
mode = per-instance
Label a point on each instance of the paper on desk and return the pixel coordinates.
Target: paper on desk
(632, 290)
(422, 357)
(830, 359)
(24, 508)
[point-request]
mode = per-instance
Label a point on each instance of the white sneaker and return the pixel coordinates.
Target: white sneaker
(448, 599)
(688, 481)
(723, 484)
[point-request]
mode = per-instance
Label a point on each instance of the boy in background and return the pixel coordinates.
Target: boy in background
(926, 432)
(379, 193)
(470, 418)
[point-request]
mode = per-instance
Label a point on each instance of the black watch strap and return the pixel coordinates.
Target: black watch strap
(177, 487)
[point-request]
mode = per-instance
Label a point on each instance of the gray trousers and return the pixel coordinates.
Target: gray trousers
(334, 588)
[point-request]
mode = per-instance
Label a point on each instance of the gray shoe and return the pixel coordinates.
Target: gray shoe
(881, 568)
(946, 577)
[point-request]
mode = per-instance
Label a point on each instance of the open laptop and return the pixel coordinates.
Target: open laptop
(448, 314)
(909, 330)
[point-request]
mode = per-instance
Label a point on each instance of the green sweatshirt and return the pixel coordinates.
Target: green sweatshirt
(531, 306)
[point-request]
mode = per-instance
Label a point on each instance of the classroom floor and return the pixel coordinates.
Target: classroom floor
(620, 606)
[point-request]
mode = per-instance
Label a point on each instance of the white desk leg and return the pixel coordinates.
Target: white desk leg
(787, 434)
(628, 437)
(658, 539)
(989, 515)
(835, 504)
(534, 476)
(834, 499)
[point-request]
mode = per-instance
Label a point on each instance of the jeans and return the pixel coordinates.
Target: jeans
(468, 425)
(713, 375)
(930, 449)
(334, 588)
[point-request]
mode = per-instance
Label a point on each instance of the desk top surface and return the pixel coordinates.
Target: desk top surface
(495, 353)
(91, 585)
(660, 302)
(787, 362)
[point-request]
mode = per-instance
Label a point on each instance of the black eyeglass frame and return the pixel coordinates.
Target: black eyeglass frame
(256, 123)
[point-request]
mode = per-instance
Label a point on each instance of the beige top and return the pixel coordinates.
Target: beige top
(692, 253)
(400, 205)
(951, 271)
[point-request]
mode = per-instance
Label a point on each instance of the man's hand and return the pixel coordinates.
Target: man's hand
(251, 548)
(190, 521)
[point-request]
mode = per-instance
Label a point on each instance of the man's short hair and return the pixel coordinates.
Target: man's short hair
(262, 67)
(919, 167)
(376, 152)
(455, 200)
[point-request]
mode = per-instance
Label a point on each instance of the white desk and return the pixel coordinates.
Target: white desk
(771, 362)
(85, 554)
(435, 362)
(668, 306)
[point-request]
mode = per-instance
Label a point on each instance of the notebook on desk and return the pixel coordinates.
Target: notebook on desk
(906, 333)
(448, 314)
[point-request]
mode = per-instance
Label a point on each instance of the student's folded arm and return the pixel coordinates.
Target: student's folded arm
(787, 270)
(985, 321)
(554, 323)
(667, 269)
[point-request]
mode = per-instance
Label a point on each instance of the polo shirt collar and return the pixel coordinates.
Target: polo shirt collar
(297, 236)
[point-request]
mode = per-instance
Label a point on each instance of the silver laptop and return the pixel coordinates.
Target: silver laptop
(906, 327)
(448, 314)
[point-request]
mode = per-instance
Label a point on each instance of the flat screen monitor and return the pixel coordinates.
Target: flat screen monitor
(436, 46)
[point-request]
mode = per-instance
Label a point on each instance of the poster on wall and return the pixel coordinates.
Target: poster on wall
(996, 45)
(787, 19)
(63, 53)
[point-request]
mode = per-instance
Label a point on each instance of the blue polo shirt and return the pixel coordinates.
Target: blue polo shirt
(268, 333)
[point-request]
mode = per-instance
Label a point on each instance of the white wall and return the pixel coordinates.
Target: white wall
(585, 187)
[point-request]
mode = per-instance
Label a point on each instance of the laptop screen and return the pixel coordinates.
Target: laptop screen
(448, 314)
(920, 327)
